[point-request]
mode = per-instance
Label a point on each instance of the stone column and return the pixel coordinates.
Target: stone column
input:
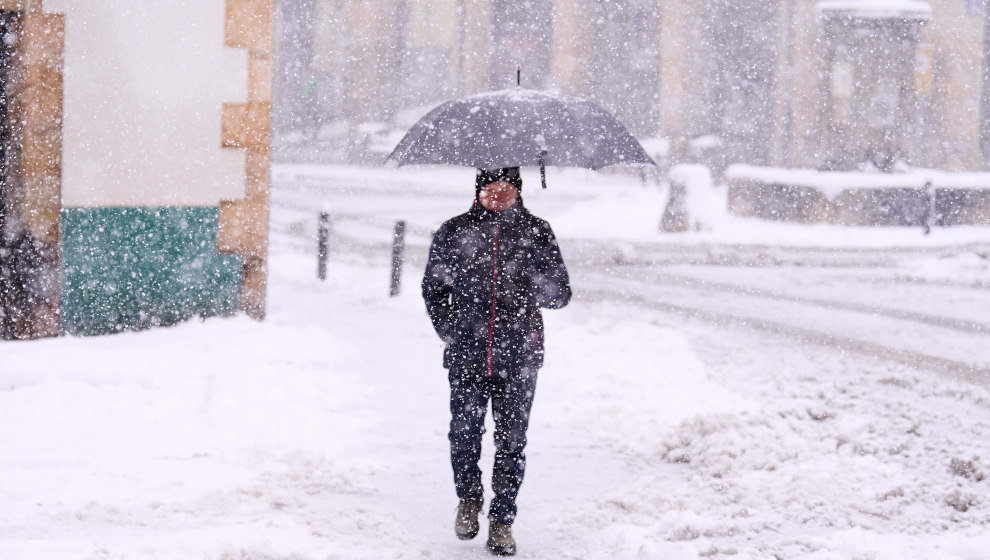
(573, 34)
(35, 180)
(956, 39)
(243, 227)
(682, 70)
(476, 29)
(806, 94)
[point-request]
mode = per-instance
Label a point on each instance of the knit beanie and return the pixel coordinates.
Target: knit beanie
(488, 176)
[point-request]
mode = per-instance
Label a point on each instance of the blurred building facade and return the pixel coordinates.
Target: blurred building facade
(829, 84)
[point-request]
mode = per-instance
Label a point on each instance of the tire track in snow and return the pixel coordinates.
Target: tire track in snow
(679, 280)
(622, 253)
(960, 370)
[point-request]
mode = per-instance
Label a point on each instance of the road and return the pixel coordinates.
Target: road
(701, 398)
(851, 299)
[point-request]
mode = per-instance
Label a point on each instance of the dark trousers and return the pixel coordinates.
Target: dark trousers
(511, 398)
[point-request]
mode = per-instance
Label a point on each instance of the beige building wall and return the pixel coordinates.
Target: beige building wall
(477, 47)
(682, 66)
(573, 35)
(433, 23)
(144, 92)
(798, 104)
(366, 58)
(129, 107)
(957, 42)
(327, 35)
(950, 133)
(783, 113)
(802, 132)
(808, 86)
(433, 62)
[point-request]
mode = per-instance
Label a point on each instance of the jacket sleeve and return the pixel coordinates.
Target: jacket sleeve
(551, 284)
(438, 283)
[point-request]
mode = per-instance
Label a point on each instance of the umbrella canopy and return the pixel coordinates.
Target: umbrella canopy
(519, 127)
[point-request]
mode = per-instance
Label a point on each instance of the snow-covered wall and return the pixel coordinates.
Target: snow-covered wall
(879, 9)
(144, 87)
(913, 198)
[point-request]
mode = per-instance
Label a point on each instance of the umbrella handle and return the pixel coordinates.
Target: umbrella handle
(543, 168)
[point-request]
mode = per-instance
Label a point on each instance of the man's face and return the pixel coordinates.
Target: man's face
(496, 197)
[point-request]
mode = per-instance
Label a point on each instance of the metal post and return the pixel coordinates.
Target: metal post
(930, 216)
(984, 133)
(398, 247)
(323, 238)
(788, 143)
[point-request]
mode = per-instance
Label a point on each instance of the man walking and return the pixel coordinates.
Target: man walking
(490, 271)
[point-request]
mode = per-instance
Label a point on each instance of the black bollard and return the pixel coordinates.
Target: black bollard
(398, 247)
(675, 216)
(322, 242)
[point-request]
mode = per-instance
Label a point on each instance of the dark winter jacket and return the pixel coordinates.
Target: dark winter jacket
(487, 278)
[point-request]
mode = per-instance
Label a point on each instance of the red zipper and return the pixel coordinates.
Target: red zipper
(491, 326)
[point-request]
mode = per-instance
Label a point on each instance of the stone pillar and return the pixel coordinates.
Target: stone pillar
(361, 67)
(32, 302)
(573, 34)
(956, 39)
(476, 38)
(805, 96)
(243, 227)
(782, 135)
(682, 70)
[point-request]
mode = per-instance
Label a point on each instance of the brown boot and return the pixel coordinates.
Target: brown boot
(466, 522)
(500, 541)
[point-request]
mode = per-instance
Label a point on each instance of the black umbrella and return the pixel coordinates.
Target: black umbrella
(519, 127)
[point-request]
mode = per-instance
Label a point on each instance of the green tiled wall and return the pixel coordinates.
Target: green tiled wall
(133, 268)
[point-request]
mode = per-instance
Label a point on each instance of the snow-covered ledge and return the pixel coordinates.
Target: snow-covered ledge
(858, 198)
(875, 9)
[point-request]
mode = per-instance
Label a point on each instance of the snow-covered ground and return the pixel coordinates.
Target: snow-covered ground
(752, 390)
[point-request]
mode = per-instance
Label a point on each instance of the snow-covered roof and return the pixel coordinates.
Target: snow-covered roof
(876, 9)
